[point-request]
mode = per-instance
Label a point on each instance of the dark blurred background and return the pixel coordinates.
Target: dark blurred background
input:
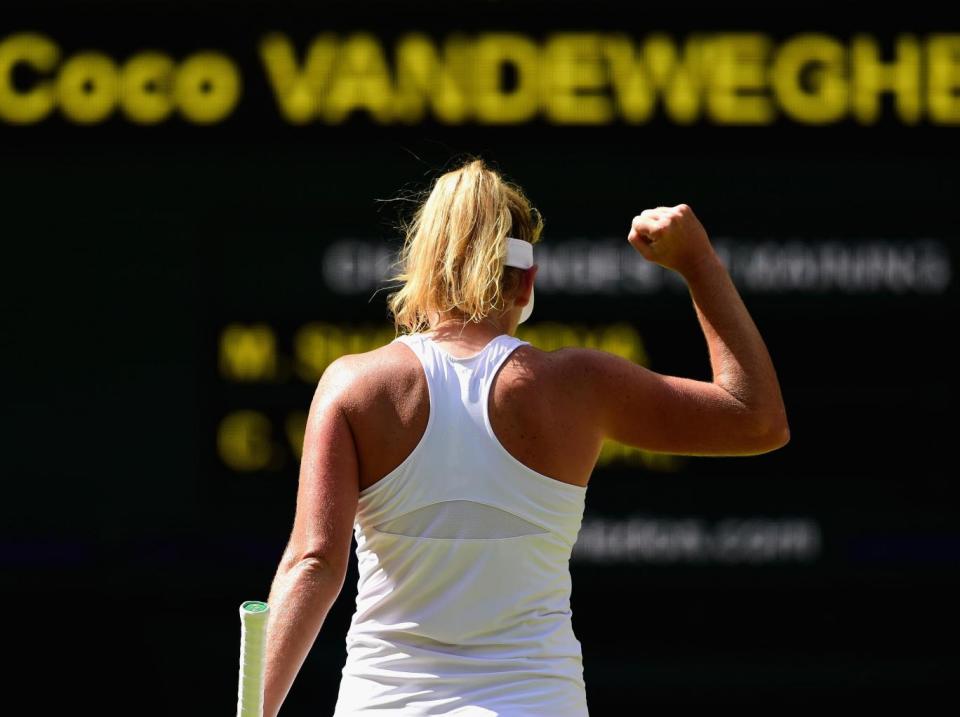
(200, 201)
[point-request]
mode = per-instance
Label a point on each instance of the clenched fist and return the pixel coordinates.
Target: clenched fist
(672, 237)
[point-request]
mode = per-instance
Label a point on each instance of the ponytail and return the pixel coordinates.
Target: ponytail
(455, 246)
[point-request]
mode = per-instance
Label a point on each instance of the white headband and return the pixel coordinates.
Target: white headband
(519, 253)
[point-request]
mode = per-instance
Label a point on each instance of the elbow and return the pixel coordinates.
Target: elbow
(316, 574)
(779, 437)
(770, 433)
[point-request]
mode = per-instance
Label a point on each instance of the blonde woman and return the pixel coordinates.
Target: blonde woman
(459, 456)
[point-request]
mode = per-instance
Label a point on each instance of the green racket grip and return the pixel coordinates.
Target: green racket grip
(253, 633)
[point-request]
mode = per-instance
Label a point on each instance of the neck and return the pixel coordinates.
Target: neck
(452, 326)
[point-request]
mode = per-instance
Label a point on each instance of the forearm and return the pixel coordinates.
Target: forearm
(300, 598)
(738, 355)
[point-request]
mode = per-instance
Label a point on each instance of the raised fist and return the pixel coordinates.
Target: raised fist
(672, 237)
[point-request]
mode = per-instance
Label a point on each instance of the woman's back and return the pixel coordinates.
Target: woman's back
(463, 599)
(540, 409)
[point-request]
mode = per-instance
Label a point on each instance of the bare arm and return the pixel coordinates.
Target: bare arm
(738, 355)
(313, 566)
(739, 412)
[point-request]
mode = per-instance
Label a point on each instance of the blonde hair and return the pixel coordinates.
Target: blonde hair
(456, 244)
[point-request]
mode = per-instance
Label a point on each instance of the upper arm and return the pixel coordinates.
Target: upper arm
(670, 414)
(328, 488)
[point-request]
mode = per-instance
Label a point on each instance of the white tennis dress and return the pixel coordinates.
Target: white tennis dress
(463, 599)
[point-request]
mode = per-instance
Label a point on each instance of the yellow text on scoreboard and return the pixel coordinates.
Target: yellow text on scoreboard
(502, 78)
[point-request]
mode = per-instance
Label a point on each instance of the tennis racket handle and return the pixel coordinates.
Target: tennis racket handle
(253, 634)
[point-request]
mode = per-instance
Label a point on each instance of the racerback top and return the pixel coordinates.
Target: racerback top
(463, 596)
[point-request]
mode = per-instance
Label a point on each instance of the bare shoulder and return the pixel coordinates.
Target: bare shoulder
(369, 364)
(615, 381)
(595, 371)
(601, 380)
(563, 375)
(366, 377)
(564, 364)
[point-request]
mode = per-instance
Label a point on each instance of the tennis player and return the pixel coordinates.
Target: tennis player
(459, 456)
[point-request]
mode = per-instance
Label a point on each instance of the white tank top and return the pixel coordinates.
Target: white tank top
(463, 597)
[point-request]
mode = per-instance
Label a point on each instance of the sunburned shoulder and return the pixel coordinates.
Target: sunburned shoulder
(387, 366)
(560, 373)
(382, 357)
(594, 375)
(576, 363)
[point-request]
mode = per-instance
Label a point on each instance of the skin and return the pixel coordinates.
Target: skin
(370, 410)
